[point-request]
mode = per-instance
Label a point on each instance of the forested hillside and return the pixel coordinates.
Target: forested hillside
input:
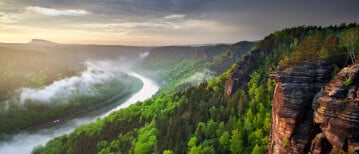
(178, 67)
(26, 69)
(229, 114)
(39, 63)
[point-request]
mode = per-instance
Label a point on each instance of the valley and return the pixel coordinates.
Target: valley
(28, 140)
(179, 77)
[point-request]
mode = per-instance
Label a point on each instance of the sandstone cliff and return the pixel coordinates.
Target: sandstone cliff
(337, 110)
(292, 115)
(311, 114)
(240, 75)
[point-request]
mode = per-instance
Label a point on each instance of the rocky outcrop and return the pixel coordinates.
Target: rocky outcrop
(320, 145)
(337, 110)
(292, 115)
(240, 75)
(308, 117)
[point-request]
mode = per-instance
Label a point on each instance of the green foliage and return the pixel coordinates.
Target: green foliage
(197, 119)
(351, 151)
(33, 113)
(347, 81)
(236, 142)
(37, 149)
(284, 62)
(285, 141)
(194, 149)
(349, 39)
(146, 142)
(177, 66)
(224, 140)
(258, 150)
(201, 118)
(167, 152)
(295, 45)
(336, 150)
(309, 49)
(173, 118)
(335, 71)
(53, 146)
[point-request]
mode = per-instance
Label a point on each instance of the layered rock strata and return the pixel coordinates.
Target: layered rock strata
(292, 114)
(337, 110)
(240, 75)
(308, 117)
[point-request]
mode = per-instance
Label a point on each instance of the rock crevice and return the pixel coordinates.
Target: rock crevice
(292, 114)
(313, 114)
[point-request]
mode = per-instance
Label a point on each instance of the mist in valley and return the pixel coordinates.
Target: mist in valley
(178, 76)
(105, 78)
(97, 72)
(200, 76)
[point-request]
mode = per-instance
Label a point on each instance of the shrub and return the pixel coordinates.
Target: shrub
(285, 141)
(347, 82)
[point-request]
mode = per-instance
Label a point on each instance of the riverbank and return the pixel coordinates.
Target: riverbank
(24, 142)
(32, 115)
(100, 108)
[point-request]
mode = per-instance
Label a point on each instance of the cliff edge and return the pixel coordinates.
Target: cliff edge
(313, 114)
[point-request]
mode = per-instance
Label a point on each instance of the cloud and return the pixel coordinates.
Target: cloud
(144, 55)
(175, 16)
(198, 77)
(56, 12)
(113, 26)
(96, 72)
(166, 22)
(7, 18)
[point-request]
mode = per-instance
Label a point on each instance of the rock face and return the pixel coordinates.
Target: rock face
(292, 115)
(240, 75)
(337, 110)
(311, 114)
(320, 144)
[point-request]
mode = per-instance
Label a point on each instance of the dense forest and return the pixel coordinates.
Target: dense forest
(205, 118)
(178, 67)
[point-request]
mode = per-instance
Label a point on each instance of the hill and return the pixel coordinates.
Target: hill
(233, 113)
(41, 63)
(41, 41)
(178, 67)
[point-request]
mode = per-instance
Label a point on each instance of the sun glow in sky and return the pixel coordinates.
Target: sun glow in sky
(163, 22)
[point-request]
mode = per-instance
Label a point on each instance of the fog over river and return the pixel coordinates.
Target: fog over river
(24, 142)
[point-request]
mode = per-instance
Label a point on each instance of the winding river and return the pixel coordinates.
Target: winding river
(24, 142)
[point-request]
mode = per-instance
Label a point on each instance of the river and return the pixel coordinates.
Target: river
(24, 142)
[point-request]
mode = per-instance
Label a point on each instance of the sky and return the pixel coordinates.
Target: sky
(164, 22)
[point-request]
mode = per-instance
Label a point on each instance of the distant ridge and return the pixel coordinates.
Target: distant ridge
(41, 41)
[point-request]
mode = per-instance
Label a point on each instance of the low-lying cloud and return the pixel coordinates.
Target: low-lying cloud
(198, 77)
(144, 55)
(175, 16)
(56, 12)
(95, 73)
